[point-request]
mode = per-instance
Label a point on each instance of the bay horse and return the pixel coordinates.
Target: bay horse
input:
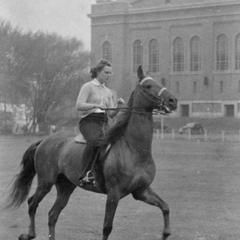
(128, 168)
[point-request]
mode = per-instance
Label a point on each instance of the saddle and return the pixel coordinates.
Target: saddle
(80, 139)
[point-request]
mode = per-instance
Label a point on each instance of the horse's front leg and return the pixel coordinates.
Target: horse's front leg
(150, 197)
(110, 209)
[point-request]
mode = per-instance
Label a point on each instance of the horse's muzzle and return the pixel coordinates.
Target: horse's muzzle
(169, 105)
(172, 103)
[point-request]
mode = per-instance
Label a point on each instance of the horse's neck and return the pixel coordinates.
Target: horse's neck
(140, 131)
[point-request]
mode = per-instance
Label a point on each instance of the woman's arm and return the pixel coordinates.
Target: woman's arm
(113, 113)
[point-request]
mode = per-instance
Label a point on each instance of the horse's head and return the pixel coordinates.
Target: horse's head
(151, 95)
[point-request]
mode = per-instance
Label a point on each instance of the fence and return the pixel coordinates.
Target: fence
(222, 135)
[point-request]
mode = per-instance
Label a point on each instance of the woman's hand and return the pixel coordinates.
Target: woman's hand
(120, 101)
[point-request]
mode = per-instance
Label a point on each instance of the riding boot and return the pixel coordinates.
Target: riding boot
(87, 176)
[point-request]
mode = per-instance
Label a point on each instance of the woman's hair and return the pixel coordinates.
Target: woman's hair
(101, 64)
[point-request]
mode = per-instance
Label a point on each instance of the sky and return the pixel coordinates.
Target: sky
(67, 18)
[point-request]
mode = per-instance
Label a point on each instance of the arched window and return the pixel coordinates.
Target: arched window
(195, 54)
(178, 55)
(137, 54)
(107, 51)
(153, 56)
(222, 53)
(237, 52)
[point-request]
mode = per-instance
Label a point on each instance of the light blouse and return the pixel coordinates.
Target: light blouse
(96, 93)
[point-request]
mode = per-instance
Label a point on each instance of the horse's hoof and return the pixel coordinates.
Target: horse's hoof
(25, 237)
(165, 235)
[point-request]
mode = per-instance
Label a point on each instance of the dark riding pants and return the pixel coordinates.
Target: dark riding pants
(92, 127)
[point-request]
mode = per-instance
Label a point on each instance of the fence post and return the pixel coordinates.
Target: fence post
(157, 131)
(189, 134)
(162, 134)
(223, 135)
(173, 134)
(162, 128)
(205, 135)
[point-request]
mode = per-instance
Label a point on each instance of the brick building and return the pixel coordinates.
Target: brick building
(191, 46)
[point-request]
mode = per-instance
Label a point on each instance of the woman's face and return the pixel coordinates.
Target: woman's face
(105, 74)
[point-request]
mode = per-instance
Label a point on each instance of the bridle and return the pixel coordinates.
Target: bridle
(149, 78)
(155, 99)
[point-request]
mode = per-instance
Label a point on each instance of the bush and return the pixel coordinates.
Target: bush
(6, 122)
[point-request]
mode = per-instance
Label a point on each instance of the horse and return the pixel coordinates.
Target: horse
(126, 168)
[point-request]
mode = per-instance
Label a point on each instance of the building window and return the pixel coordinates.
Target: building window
(195, 54)
(137, 54)
(237, 52)
(178, 55)
(222, 53)
(194, 87)
(206, 107)
(177, 87)
(221, 86)
(107, 51)
(153, 56)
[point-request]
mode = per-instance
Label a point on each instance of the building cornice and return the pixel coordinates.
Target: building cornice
(168, 8)
(169, 19)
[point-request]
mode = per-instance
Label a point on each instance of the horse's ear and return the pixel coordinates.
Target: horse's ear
(140, 73)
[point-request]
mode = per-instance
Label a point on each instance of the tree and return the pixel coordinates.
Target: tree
(9, 89)
(42, 70)
(53, 65)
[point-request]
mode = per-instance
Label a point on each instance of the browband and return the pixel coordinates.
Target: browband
(145, 79)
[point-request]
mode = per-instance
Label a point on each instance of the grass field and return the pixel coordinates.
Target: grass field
(199, 180)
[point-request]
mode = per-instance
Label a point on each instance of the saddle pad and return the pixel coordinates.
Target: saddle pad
(80, 139)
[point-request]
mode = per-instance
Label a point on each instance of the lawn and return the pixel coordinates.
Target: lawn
(199, 180)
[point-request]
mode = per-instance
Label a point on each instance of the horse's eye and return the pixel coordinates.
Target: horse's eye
(148, 86)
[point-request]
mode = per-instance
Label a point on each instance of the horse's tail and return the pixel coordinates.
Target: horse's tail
(23, 180)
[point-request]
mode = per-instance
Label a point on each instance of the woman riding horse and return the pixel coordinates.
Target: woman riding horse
(128, 168)
(93, 98)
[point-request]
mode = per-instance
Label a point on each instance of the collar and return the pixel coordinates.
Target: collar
(97, 83)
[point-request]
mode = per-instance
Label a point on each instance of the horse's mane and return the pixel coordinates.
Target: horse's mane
(118, 129)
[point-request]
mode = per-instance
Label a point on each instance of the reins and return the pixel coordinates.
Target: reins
(132, 110)
(142, 110)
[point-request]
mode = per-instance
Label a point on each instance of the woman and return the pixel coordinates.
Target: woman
(94, 97)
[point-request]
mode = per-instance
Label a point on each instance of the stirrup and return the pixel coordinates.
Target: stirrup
(88, 179)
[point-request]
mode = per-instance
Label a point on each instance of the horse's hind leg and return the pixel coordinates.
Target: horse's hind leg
(150, 197)
(64, 190)
(33, 202)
